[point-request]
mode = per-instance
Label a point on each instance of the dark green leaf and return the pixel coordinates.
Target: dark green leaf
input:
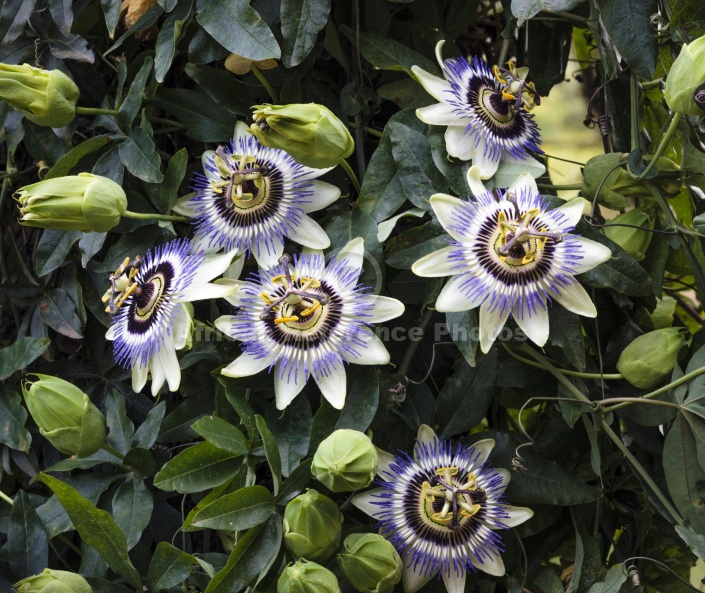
(695, 541)
(147, 433)
(295, 483)
(89, 244)
(237, 398)
(362, 399)
(141, 462)
(21, 353)
(587, 552)
(132, 509)
(198, 468)
(27, 543)
(111, 10)
(238, 28)
(97, 529)
(169, 567)
(133, 101)
(406, 93)
(222, 434)
(12, 419)
(549, 53)
(404, 249)
(301, 20)
(67, 162)
(292, 431)
(615, 578)
(462, 328)
(52, 250)
(120, 427)
(169, 34)
(58, 311)
(222, 86)
(271, 450)
(140, 156)
(236, 511)
(523, 10)
(566, 330)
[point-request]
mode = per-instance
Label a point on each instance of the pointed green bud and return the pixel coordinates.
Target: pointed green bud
(633, 240)
(345, 461)
(83, 202)
(65, 415)
(312, 527)
(54, 581)
(309, 132)
(307, 577)
(650, 358)
(686, 79)
(370, 563)
(46, 97)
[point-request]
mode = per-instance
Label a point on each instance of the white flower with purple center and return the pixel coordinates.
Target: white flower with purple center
(151, 320)
(308, 319)
(511, 256)
(252, 197)
(443, 510)
(486, 113)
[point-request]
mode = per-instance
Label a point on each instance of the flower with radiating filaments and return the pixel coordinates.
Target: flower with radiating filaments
(486, 112)
(511, 256)
(443, 510)
(305, 318)
(148, 298)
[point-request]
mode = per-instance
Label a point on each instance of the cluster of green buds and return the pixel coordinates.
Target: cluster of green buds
(309, 132)
(83, 202)
(46, 97)
(370, 563)
(345, 461)
(616, 185)
(65, 415)
(54, 581)
(685, 84)
(307, 577)
(649, 359)
(635, 241)
(312, 527)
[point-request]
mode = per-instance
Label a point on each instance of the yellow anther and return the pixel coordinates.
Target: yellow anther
(265, 297)
(530, 214)
(443, 471)
(286, 319)
(427, 492)
(528, 258)
(508, 96)
(442, 517)
(281, 279)
(467, 510)
(511, 66)
(498, 74)
(311, 309)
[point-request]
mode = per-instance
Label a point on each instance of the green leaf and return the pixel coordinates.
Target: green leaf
(462, 328)
(141, 462)
(53, 248)
(133, 100)
(628, 23)
(139, 155)
(404, 249)
(587, 551)
(169, 567)
(132, 508)
(222, 86)
(292, 431)
(27, 543)
(615, 578)
(58, 311)
(406, 93)
(362, 399)
(301, 20)
(96, 528)
(111, 10)
(222, 434)
(250, 555)
(67, 162)
(523, 10)
(547, 63)
(198, 468)
(295, 483)
(120, 427)
(13, 416)
(236, 397)
(386, 53)
(271, 451)
(21, 353)
(236, 511)
(170, 33)
(238, 28)
(147, 433)
(695, 541)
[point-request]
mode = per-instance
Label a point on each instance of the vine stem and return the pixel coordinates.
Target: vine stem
(559, 187)
(113, 452)
(265, 83)
(598, 376)
(95, 111)
(414, 344)
(351, 174)
(665, 141)
(148, 216)
(6, 498)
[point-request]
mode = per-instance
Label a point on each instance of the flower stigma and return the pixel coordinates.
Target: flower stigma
(122, 284)
(460, 501)
(245, 184)
(515, 87)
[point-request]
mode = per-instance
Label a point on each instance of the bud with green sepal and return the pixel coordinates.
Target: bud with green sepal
(686, 79)
(65, 415)
(45, 97)
(307, 577)
(312, 527)
(345, 461)
(54, 581)
(635, 241)
(370, 563)
(649, 359)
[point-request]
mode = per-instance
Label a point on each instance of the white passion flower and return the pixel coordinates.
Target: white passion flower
(304, 318)
(486, 113)
(511, 255)
(443, 510)
(252, 197)
(151, 320)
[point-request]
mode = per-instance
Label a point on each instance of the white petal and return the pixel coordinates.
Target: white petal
(245, 365)
(383, 308)
(459, 144)
(170, 365)
(235, 269)
(288, 386)
(439, 114)
(364, 501)
(158, 375)
(373, 352)
(207, 157)
(384, 460)
(242, 130)
(517, 516)
(268, 254)
(491, 323)
(333, 386)
(110, 334)
(212, 266)
(324, 194)
(185, 206)
(309, 234)
(439, 52)
(139, 377)
(475, 181)
(412, 581)
(235, 296)
(524, 182)
(534, 324)
(181, 327)
(208, 290)
(455, 583)
(225, 322)
(573, 210)
(483, 448)
(444, 206)
(486, 162)
(436, 87)
(353, 252)
(505, 475)
(436, 264)
(495, 567)
(201, 244)
(594, 253)
(452, 297)
(576, 299)
(425, 436)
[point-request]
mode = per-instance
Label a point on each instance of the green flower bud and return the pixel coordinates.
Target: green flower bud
(662, 315)
(46, 97)
(307, 577)
(308, 132)
(312, 527)
(82, 202)
(370, 563)
(650, 358)
(634, 241)
(685, 79)
(65, 415)
(345, 461)
(54, 581)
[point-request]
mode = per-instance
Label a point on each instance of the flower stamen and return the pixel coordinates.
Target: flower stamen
(243, 181)
(459, 501)
(515, 88)
(122, 284)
